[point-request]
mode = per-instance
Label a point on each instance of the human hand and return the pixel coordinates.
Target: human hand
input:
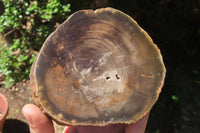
(40, 123)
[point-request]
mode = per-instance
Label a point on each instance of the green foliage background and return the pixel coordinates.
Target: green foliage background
(172, 24)
(28, 22)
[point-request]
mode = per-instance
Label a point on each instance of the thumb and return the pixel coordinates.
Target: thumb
(139, 126)
(38, 122)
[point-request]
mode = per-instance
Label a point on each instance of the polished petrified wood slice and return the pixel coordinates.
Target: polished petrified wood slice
(98, 67)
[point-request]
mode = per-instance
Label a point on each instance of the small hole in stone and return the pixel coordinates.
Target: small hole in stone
(117, 77)
(107, 78)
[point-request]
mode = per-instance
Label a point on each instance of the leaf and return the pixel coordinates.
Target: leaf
(175, 98)
(32, 7)
(66, 8)
(22, 58)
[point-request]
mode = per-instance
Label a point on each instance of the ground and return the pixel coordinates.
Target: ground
(17, 97)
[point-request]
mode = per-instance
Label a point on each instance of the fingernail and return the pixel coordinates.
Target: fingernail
(26, 111)
(66, 130)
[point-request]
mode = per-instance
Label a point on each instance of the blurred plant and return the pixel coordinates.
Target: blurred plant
(15, 61)
(28, 22)
(175, 98)
(157, 131)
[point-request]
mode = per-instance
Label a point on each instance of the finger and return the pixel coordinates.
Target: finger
(116, 128)
(38, 122)
(139, 126)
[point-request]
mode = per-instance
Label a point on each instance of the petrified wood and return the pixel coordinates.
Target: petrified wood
(98, 67)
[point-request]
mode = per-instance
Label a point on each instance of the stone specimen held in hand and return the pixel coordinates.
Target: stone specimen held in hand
(98, 68)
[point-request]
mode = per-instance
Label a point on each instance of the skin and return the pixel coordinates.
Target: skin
(40, 123)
